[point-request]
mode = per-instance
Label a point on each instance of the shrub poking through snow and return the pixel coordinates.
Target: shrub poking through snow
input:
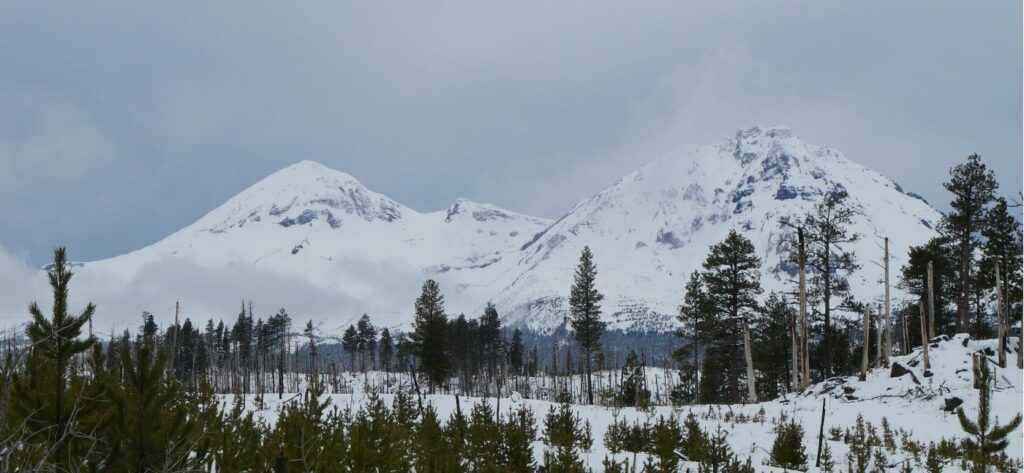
(986, 438)
(788, 449)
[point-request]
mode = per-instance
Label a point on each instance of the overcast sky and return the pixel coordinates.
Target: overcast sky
(121, 123)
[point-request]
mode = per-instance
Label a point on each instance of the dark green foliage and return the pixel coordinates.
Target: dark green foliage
(914, 278)
(516, 351)
(1002, 234)
(387, 350)
(566, 436)
(350, 343)
(518, 432)
(788, 448)
(151, 425)
(432, 453)
(665, 440)
(430, 335)
(731, 275)
(633, 391)
(585, 305)
(48, 408)
(484, 439)
(695, 440)
(973, 186)
(772, 343)
(986, 438)
(718, 456)
(375, 441)
(696, 317)
(827, 464)
(862, 441)
(829, 262)
(366, 342)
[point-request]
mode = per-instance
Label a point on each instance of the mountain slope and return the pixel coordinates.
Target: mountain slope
(320, 243)
(653, 227)
(319, 227)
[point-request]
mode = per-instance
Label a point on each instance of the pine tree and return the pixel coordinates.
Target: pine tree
(55, 343)
(484, 439)
(490, 339)
(518, 434)
(830, 263)
(788, 448)
(367, 342)
(152, 428)
(350, 343)
(1002, 233)
(431, 452)
(430, 335)
(914, 278)
(387, 349)
(973, 186)
(585, 305)
(566, 436)
(772, 342)
(665, 440)
(632, 391)
(695, 440)
(987, 438)
(696, 317)
(732, 275)
(515, 351)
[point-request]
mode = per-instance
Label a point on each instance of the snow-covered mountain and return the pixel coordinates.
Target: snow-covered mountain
(653, 227)
(322, 228)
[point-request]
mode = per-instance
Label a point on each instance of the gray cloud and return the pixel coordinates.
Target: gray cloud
(213, 293)
(121, 124)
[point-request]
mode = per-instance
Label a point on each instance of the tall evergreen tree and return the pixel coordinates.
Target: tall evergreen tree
(696, 318)
(387, 349)
(367, 342)
(55, 342)
(732, 273)
(430, 334)
(585, 305)
(827, 233)
(973, 186)
(152, 428)
(1002, 233)
(516, 351)
(772, 342)
(490, 339)
(939, 252)
(350, 343)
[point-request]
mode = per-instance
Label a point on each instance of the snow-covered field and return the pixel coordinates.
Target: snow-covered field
(912, 402)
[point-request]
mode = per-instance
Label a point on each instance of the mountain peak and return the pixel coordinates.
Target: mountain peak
(481, 212)
(760, 131)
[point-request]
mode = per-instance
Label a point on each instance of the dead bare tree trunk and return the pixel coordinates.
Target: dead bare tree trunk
(887, 348)
(880, 333)
(931, 301)
(867, 346)
(795, 384)
(747, 352)
(1000, 319)
(924, 338)
(805, 348)
(905, 331)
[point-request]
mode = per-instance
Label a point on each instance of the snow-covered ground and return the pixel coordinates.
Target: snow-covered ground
(912, 402)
